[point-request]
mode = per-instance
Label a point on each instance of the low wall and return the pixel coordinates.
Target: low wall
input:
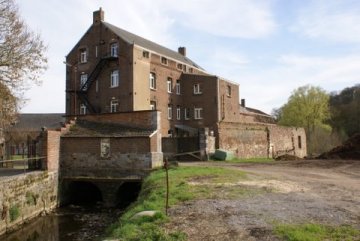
(261, 140)
(25, 196)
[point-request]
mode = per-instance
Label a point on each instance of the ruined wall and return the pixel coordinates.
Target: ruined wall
(261, 140)
(244, 140)
(25, 196)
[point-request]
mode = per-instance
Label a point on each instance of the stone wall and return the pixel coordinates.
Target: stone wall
(261, 140)
(25, 196)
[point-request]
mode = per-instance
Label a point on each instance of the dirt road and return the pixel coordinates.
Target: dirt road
(311, 191)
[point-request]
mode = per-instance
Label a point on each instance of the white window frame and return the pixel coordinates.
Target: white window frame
(82, 109)
(114, 48)
(152, 81)
(83, 55)
(178, 113)
(186, 113)
(169, 112)
(114, 78)
(198, 113)
(83, 79)
(178, 87)
(114, 104)
(169, 85)
(152, 105)
(197, 89)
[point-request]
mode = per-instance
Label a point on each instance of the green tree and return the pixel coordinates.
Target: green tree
(22, 58)
(307, 107)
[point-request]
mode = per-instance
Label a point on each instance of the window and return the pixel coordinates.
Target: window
(114, 104)
(96, 51)
(153, 105)
(228, 90)
(97, 86)
(191, 70)
(164, 60)
(83, 79)
(82, 109)
(114, 50)
(169, 112)
(179, 66)
(152, 80)
(178, 113)
(299, 142)
(184, 68)
(169, 85)
(114, 79)
(187, 113)
(198, 113)
(197, 89)
(83, 56)
(177, 87)
(146, 54)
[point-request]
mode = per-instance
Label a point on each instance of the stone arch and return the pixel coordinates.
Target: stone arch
(84, 192)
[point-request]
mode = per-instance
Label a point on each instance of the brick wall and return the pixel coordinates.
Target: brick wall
(128, 156)
(261, 140)
(140, 119)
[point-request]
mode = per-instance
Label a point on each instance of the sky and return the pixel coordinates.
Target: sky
(268, 47)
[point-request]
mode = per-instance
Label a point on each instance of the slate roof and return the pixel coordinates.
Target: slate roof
(135, 39)
(34, 122)
(252, 110)
(84, 128)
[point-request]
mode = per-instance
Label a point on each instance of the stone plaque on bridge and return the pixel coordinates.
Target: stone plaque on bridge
(105, 148)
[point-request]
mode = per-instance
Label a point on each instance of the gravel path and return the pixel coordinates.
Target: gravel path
(316, 191)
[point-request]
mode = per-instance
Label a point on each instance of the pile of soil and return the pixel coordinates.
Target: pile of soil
(349, 150)
(287, 157)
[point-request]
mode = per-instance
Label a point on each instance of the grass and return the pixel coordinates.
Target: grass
(152, 197)
(316, 232)
(251, 160)
(14, 212)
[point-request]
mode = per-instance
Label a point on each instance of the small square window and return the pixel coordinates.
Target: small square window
(164, 60)
(153, 105)
(146, 54)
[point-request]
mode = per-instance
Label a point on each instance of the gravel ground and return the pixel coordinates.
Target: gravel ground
(317, 191)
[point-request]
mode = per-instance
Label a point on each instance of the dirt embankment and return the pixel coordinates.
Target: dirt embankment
(349, 150)
(307, 191)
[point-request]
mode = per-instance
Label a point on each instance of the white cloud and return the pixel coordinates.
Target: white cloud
(230, 18)
(332, 20)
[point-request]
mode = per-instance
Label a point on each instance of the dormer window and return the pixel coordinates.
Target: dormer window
(164, 60)
(179, 66)
(83, 55)
(114, 50)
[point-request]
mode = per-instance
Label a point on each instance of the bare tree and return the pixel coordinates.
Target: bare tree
(22, 59)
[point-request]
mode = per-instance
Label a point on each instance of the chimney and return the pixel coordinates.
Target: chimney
(243, 102)
(182, 51)
(98, 16)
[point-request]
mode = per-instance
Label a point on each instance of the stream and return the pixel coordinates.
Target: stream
(71, 223)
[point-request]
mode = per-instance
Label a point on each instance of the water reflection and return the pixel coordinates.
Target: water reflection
(72, 223)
